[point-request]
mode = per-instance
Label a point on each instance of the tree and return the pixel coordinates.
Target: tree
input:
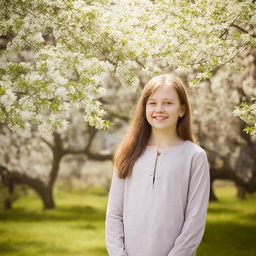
(231, 152)
(75, 45)
(34, 160)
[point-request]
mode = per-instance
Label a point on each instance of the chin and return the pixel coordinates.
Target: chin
(160, 127)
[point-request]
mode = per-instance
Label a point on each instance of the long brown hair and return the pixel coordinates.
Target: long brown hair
(137, 136)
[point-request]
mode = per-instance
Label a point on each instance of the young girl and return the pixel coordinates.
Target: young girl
(160, 185)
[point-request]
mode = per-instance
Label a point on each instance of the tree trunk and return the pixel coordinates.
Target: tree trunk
(47, 198)
(8, 203)
(241, 192)
(213, 197)
(45, 191)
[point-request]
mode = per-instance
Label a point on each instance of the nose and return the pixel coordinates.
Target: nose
(159, 108)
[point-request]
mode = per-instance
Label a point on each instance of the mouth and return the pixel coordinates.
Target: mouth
(160, 118)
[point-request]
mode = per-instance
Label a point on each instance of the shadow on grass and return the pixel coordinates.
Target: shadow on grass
(78, 213)
(8, 247)
(250, 216)
(39, 247)
(223, 209)
(11, 247)
(222, 238)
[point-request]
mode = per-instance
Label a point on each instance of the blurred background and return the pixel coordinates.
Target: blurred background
(70, 173)
(54, 186)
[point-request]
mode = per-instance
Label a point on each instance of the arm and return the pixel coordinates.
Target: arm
(196, 210)
(114, 218)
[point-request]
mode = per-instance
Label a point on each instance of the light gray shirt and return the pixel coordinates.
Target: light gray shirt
(160, 210)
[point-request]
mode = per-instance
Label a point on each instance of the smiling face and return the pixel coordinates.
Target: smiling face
(163, 108)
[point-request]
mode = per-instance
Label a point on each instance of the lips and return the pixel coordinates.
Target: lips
(160, 117)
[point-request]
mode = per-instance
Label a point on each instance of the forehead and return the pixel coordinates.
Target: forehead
(164, 92)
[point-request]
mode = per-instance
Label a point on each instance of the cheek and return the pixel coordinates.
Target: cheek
(148, 112)
(172, 109)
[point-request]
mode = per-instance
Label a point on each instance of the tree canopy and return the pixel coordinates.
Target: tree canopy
(57, 55)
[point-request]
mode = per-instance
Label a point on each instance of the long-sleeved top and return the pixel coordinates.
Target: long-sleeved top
(160, 210)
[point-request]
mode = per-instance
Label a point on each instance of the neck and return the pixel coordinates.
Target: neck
(162, 138)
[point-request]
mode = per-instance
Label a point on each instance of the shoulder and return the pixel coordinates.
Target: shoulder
(195, 150)
(199, 164)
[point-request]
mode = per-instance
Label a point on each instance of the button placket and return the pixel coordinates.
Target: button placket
(159, 164)
(156, 166)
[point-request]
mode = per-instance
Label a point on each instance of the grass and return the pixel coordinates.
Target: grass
(231, 226)
(76, 226)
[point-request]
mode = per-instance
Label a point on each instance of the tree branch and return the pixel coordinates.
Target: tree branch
(243, 30)
(47, 142)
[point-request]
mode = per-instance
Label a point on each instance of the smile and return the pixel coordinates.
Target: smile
(160, 117)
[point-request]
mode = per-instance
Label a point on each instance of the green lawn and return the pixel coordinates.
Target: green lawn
(231, 226)
(76, 226)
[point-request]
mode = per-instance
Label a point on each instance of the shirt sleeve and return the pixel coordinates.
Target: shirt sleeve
(114, 230)
(197, 203)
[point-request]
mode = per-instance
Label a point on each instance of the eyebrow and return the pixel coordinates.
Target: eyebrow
(163, 99)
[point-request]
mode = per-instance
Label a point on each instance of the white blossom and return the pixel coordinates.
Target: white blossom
(61, 91)
(77, 45)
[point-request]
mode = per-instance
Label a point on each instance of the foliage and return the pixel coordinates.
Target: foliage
(247, 112)
(231, 152)
(75, 45)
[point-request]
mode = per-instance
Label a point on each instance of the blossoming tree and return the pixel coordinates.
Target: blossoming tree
(75, 45)
(33, 158)
(231, 152)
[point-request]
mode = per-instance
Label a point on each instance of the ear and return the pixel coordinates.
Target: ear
(182, 110)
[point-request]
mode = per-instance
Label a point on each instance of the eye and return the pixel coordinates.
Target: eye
(151, 103)
(168, 102)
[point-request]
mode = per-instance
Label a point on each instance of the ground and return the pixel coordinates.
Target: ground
(76, 226)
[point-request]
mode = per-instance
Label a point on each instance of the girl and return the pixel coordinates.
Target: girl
(159, 192)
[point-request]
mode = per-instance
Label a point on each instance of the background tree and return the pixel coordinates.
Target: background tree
(231, 152)
(75, 45)
(33, 158)
(57, 56)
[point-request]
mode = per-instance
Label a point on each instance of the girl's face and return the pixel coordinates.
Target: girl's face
(163, 108)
